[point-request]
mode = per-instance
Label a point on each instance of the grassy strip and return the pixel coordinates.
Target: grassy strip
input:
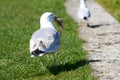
(112, 6)
(18, 20)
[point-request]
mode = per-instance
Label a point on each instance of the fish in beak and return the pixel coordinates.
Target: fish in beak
(60, 24)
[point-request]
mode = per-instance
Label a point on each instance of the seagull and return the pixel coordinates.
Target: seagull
(83, 12)
(46, 40)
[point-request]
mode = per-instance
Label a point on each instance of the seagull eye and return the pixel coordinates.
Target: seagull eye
(51, 15)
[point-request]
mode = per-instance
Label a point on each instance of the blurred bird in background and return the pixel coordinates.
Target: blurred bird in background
(83, 12)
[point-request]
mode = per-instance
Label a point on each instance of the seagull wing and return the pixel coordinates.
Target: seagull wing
(46, 40)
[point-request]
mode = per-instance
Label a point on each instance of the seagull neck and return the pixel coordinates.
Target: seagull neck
(83, 4)
(47, 24)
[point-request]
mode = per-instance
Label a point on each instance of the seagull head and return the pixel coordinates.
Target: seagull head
(49, 17)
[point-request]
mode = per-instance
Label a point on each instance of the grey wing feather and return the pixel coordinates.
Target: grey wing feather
(50, 40)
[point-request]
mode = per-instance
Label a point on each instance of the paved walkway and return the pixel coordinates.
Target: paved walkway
(102, 39)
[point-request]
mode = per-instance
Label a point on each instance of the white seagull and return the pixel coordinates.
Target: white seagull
(83, 12)
(46, 40)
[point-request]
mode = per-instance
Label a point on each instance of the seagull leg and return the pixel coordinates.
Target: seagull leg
(54, 59)
(88, 25)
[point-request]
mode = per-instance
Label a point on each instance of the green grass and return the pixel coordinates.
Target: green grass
(112, 6)
(18, 20)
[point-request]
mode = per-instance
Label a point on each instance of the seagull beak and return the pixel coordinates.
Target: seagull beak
(60, 24)
(59, 21)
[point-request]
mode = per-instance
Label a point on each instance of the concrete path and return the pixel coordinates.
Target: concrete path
(102, 40)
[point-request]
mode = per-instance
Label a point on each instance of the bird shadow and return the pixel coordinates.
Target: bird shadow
(95, 26)
(56, 69)
(98, 25)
